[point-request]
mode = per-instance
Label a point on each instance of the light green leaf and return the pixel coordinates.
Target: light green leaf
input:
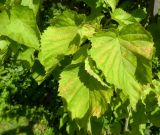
(122, 17)
(115, 53)
(55, 43)
(59, 40)
(112, 3)
(20, 26)
(32, 4)
(82, 93)
(64, 38)
(137, 40)
(86, 31)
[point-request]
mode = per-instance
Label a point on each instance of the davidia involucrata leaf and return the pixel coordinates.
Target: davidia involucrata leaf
(62, 39)
(116, 53)
(18, 28)
(82, 93)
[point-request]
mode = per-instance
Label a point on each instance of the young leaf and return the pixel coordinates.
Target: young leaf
(20, 26)
(115, 53)
(82, 93)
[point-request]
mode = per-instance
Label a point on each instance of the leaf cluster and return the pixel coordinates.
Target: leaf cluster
(99, 53)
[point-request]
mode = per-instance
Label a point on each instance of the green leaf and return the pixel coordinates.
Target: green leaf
(3, 50)
(20, 26)
(112, 3)
(81, 54)
(93, 4)
(96, 8)
(152, 105)
(115, 53)
(72, 127)
(32, 4)
(138, 119)
(59, 40)
(154, 28)
(12, 3)
(86, 31)
(155, 89)
(120, 106)
(55, 44)
(143, 65)
(63, 120)
(69, 18)
(27, 56)
(139, 14)
(122, 17)
(38, 72)
(116, 128)
(91, 69)
(64, 38)
(97, 126)
(155, 116)
(137, 40)
(82, 93)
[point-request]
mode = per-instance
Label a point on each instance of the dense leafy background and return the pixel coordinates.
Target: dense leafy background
(79, 67)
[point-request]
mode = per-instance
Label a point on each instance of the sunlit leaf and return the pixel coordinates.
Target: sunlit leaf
(82, 93)
(115, 53)
(122, 17)
(112, 3)
(55, 43)
(20, 26)
(32, 4)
